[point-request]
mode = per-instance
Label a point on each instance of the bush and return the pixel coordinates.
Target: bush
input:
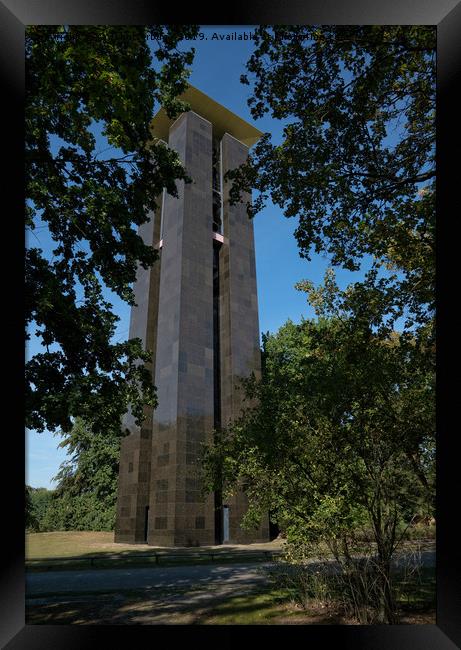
(82, 512)
(353, 588)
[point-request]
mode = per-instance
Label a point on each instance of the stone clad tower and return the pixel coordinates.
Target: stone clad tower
(197, 311)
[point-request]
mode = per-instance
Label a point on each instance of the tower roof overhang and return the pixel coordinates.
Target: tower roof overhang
(222, 119)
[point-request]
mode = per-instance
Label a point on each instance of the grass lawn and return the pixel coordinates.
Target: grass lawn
(80, 546)
(267, 607)
(88, 543)
(70, 544)
(77, 543)
(200, 607)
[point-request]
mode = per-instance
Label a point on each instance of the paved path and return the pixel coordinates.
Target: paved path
(232, 577)
(238, 576)
(151, 596)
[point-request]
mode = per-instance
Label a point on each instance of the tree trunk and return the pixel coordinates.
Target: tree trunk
(386, 606)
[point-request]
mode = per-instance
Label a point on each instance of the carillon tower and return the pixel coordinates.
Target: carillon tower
(197, 311)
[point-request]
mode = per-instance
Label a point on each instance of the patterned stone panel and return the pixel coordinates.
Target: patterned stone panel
(135, 453)
(239, 342)
(184, 416)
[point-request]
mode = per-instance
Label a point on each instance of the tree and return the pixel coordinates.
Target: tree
(81, 80)
(38, 501)
(357, 162)
(86, 492)
(343, 436)
(30, 520)
(340, 438)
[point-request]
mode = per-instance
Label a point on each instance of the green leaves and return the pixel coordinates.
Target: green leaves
(359, 145)
(85, 497)
(341, 433)
(93, 79)
(341, 442)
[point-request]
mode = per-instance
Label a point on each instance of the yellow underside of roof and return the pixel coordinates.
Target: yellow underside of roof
(222, 119)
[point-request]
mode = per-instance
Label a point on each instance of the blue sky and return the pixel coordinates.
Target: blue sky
(216, 71)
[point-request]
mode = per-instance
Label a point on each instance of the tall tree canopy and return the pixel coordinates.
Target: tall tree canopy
(81, 81)
(357, 162)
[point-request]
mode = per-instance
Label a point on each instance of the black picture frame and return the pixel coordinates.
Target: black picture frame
(446, 14)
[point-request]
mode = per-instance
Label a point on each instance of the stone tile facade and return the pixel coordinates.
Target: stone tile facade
(135, 454)
(159, 497)
(239, 326)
